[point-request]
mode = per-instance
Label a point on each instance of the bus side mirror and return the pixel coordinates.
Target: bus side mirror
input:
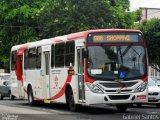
(85, 53)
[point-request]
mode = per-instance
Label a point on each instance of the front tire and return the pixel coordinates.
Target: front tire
(1, 97)
(121, 108)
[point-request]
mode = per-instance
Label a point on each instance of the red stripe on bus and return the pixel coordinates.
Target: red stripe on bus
(56, 40)
(25, 90)
(62, 91)
(20, 52)
(39, 99)
(75, 35)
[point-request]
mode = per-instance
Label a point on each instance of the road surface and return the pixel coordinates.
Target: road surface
(21, 110)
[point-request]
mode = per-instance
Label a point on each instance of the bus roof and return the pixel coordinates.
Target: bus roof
(85, 33)
(72, 36)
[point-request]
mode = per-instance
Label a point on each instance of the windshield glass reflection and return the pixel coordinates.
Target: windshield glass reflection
(116, 62)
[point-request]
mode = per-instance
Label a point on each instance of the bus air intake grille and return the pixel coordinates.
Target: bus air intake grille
(153, 93)
(121, 90)
(117, 85)
(119, 97)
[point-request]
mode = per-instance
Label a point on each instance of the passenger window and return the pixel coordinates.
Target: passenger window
(59, 55)
(13, 60)
(70, 52)
(52, 56)
(38, 57)
(32, 58)
(26, 59)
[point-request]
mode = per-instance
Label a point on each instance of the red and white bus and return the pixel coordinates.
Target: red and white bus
(107, 66)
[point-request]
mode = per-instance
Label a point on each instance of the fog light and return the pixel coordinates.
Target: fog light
(105, 98)
(133, 98)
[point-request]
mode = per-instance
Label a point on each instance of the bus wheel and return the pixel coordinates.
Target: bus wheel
(12, 97)
(71, 102)
(121, 108)
(158, 105)
(30, 96)
(1, 97)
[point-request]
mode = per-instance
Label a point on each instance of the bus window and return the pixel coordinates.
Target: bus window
(70, 51)
(38, 57)
(26, 59)
(59, 55)
(52, 56)
(13, 60)
(32, 58)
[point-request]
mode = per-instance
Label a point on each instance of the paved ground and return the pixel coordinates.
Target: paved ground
(20, 110)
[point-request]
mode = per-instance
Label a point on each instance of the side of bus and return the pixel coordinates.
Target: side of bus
(49, 71)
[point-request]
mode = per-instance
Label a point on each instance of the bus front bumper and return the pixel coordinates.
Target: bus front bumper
(117, 98)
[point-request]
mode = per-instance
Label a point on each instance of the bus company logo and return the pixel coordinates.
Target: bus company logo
(119, 90)
(122, 85)
(56, 81)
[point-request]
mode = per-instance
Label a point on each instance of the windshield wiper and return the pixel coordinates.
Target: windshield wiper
(126, 50)
(121, 56)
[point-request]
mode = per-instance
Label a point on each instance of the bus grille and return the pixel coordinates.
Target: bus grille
(121, 90)
(117, 85)
(153, 93)
(119, 97)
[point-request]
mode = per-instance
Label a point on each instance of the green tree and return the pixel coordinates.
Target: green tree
(18, 24)
(61, 17)
(30, 20)
(151, 30)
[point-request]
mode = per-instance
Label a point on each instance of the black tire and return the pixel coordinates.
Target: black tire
(70, 101)
(12, 97)
(30, 96)
(1, 97)
(121, 108)
(158, 105)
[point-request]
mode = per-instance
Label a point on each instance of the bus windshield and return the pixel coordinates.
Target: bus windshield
(116, 62)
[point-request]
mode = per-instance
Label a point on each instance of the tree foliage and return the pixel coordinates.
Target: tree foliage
(67, 16)
(18, 25)
(151, 30)
(30, 20)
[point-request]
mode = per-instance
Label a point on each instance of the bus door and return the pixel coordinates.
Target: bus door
(80, 75)
(46, 71)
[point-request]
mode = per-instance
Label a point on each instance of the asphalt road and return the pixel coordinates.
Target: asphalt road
(20, 110)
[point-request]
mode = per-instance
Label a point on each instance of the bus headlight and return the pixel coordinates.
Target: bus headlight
(141, 87)
(94, 88)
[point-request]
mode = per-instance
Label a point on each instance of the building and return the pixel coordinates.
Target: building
(148, 13)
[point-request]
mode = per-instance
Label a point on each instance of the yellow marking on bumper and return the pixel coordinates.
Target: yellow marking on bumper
(47, 101)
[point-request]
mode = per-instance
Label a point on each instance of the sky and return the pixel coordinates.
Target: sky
(135, 4)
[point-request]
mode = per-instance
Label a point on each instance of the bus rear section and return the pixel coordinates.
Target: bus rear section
(16, 70)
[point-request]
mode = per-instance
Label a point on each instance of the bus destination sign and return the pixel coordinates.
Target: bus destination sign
(114, 37)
